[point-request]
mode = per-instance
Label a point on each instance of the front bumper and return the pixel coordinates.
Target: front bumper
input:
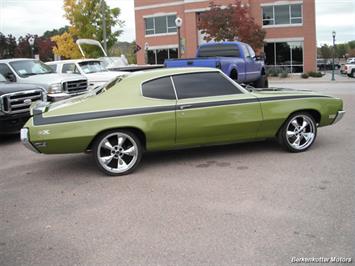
(54, 97)
(10, 124)
(25, 139)
(339, 116)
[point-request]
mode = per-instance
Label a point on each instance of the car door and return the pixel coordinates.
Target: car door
(213, 109)
(255, 65)
(249, 61)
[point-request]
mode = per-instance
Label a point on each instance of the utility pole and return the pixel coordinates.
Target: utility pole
(103, 11)
(333, 65)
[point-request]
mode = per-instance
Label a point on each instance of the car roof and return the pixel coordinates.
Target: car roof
(16, 59)
(145, 75)
(220, 43)
(72, 61)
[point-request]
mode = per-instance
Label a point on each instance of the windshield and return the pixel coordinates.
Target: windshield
(2, 78)
(92, 67)
(27, 68)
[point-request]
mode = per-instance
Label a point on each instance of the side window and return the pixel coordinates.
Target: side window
(203, 85)
(251, 52)
(70, 69)
(160, 88)
(7, 73)
(245, 51)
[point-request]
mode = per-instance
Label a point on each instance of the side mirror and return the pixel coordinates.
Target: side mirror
(259, 58)
(11, 77)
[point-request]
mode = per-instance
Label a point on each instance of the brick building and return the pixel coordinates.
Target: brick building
(289, 24)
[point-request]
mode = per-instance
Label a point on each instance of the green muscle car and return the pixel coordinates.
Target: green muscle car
(175, 108)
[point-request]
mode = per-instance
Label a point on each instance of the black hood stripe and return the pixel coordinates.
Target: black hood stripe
(40, 120)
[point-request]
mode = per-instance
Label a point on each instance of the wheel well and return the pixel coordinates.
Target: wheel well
(314, 113)
(234, 74)
(139, 133)
(263, 71)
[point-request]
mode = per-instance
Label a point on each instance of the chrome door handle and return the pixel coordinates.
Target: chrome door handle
(185, 106)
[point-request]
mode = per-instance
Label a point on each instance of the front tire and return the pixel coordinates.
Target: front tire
(117, 152)
(298, 133)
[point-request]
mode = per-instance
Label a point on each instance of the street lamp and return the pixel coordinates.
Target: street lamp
(146, 47)
(31, 42)
(333, 34)
(102, 5)
(178, 23)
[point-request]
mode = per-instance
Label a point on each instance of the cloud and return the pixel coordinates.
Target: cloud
(19, 17)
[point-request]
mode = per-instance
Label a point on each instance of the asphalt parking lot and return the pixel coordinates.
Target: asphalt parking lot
(245, 204)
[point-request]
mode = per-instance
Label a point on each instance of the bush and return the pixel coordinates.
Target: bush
(304, 76)
(283, 74)
(315, 74)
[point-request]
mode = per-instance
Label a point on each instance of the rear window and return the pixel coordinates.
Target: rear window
(160, 88)
(219, 50)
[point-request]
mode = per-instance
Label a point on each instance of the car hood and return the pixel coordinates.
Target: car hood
(52, 78)
(16, 87)
(104, 76)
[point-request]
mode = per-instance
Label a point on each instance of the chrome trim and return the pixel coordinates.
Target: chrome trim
(25, 139)
(11, 103)
(339, 116)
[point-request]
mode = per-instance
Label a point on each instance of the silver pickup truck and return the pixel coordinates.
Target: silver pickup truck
(31, 71)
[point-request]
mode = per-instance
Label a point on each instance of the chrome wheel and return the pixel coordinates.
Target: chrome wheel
(300, 132)
(117, 153)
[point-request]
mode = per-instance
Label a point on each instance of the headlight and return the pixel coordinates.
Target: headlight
(55, 88)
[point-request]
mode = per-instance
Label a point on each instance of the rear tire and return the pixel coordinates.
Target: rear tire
(298, 133)
(117, 152)
(353, 73)
(262, 82)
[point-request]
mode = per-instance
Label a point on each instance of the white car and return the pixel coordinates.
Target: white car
(92, 69)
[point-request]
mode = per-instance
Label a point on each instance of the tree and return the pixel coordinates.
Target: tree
(325, 51)
(85, 17)
(54, 32)
(7, 46)
(65, 46)
(231, 23)
(341, 50)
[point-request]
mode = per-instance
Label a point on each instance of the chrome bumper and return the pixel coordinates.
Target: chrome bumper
(339, 116)
(26, 140)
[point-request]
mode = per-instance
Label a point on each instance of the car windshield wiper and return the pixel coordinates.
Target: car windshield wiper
(29, 74)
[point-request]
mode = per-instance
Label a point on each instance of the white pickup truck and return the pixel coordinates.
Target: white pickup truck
(349, 67)
(93, 69)
(31, 71)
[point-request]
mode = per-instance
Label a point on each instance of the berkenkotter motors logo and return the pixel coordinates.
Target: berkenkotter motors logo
(321, 260)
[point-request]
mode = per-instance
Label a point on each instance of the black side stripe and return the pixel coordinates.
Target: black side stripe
(38, 119)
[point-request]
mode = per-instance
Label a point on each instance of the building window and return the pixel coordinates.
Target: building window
(158, 56)
(282, 14)
(160, 25)
(284, 56)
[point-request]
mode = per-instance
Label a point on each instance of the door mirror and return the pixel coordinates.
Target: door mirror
(10, 77)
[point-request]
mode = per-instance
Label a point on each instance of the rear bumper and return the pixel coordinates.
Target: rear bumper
(339, 116)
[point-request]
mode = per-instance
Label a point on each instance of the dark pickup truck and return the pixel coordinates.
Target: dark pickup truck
(236, 59)
(15, 102)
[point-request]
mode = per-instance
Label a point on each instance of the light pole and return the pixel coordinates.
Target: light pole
(31, 42)
(333, 54)
(103, 12)
(178, 23)
(146, 47)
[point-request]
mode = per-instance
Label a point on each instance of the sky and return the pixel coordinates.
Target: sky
(20, 17)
